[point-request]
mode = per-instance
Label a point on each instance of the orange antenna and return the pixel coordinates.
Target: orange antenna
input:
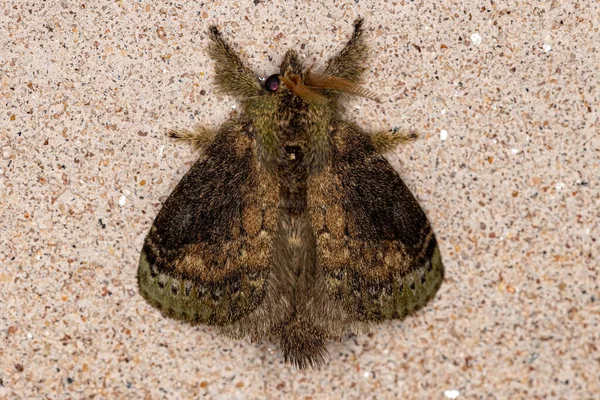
(295, 85)
(323, 81)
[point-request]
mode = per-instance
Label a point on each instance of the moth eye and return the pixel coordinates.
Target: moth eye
(272, 83)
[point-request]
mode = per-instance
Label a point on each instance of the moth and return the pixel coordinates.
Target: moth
(292, 226)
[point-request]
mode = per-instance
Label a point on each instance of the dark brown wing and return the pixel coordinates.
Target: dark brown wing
(206, 258)
(374, 242)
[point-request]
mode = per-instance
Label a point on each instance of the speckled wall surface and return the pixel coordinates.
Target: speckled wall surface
(505, 97)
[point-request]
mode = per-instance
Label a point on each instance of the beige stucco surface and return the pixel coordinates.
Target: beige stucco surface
(505, 98)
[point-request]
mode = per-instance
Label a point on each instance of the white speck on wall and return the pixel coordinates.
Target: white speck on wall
(122, 200)
(476, 39)
(514, 151)
(547, 48)
(560, 186)
(234, 106)
(451, 394)
(6, 152)
(443, 112)
(443, 134)
(160, 150)
(367, 374)
(29, 336)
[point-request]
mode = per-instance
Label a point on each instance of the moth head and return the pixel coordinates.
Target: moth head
(310, 86)
(290, 80)
(341, 76)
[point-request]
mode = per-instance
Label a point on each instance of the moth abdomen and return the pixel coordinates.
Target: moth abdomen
(302, 343)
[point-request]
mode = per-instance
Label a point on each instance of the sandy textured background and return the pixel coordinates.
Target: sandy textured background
(88, 89)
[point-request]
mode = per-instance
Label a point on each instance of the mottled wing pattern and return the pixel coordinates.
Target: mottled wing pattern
(206, 258)
(374, 243)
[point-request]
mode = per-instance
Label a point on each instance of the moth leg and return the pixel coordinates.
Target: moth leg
(347, 64)
(231, 75)
(386, 141)
(200, 137)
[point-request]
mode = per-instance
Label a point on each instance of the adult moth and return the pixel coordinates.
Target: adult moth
(291, 226)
